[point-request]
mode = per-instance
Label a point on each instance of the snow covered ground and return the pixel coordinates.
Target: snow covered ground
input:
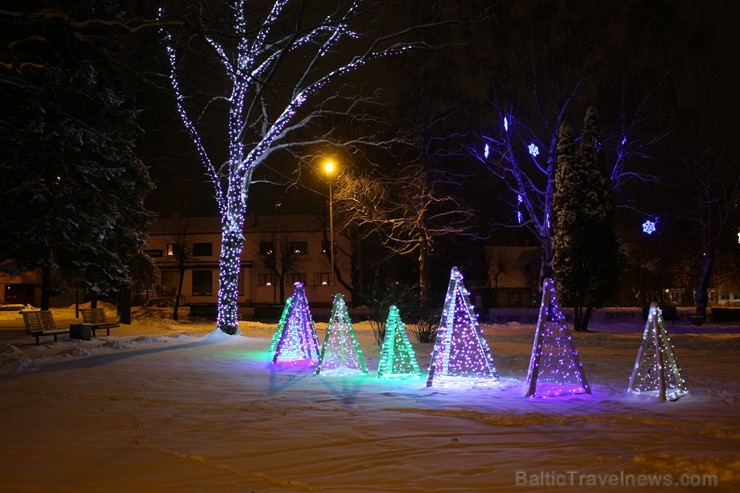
(161, 406)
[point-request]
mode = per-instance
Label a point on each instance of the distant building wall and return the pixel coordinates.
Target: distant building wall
(300, 235)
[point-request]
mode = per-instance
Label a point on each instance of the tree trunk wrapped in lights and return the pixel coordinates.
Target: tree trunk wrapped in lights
(461, 354)
(275, 61)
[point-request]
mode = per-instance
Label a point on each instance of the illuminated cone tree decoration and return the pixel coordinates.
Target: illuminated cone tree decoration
(461, 353)
(295, 338)
(281, 325)
(341, 352)
(656, 370)
(555, 367)
(397, 358)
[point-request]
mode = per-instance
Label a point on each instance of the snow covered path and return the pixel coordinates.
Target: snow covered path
(168, 412)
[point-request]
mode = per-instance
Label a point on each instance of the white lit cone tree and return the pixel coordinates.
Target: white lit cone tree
(277, 63)
(554, 367)
(340, 353)
(656, 370)
(461, 354)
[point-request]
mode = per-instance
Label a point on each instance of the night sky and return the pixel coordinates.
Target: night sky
(705, 87)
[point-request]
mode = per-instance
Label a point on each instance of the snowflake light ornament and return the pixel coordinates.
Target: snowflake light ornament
(534, 150)
(648, 227)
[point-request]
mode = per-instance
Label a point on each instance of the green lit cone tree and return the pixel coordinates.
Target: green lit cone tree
(397, 358)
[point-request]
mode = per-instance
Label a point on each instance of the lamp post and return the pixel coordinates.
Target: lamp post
(330, 170)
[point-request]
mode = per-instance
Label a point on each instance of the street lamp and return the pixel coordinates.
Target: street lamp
(330, 170)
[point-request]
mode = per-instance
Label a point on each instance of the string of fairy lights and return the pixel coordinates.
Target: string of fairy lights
(340, 353)
(254, 55)
(460, 350)
(461, 354)
(656, 370)
(296, 338)
(554, 367)
(397, 358)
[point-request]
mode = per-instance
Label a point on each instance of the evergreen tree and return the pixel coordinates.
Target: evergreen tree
(72, 182)
(587, 255)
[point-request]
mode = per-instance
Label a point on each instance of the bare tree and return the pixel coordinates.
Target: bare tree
(410, 210)
(182, 251)
(713, 211)
(280, 257)
(498, 262)
(543, 79)
(279, 61)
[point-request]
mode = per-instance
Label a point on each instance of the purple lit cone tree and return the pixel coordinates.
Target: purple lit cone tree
(340, 353)
(461, 353)
(656, 370)
(295, 338)
(555, 367)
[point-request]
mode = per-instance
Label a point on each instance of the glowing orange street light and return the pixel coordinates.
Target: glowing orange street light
(330, 170)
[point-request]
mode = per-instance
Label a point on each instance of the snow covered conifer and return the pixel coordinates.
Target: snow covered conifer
(587, 255)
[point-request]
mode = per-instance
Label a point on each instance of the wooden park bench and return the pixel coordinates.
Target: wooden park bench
(97, 319)
(41, 323)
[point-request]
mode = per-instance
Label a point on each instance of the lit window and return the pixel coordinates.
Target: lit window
(321, 279)
(267, 248)
(265, 279)
(298, 247)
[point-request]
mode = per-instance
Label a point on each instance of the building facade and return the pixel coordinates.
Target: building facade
(279, 250)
